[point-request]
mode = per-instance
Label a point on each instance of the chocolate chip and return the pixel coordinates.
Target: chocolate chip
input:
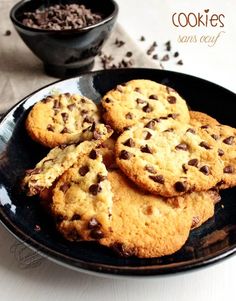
(142, 38)
(165, 58)
(150, 124)
(64, 116)
(205, 126)
(107, 100)
(129, 142)
(180, 186)
(129, 116)
(93, 154)
(158, 179)
(83, 100)
(95, 189)
(120, 250)
(83, 112)
(192, 131)
(137, 89)
(153, 97)
(96, 234)
(180, 62)
(229, 140)
(148, 136)
(129, 54)
(71, 106)
(155, 57)
(205, 169)
(185, 169)
(50, 128)
(147, 108)
(64, 187)
(140, 101)
(195, 221)
(229, 169)
(176, 54)
(216, 137)
(65, 131)
(150, 169)
(124, 155)
(174, 116)
(56, 104)
(93, 223)
(193, 162)
(88, 119)
(62, 146)
(171, 99)
(76, 217)
(168, 45)
(83, 170)
(47, 99)
(101, 178)
(7, 33)
(182, 146)
(168, 130)
(146, 149)
(221, 152)
(205, 145)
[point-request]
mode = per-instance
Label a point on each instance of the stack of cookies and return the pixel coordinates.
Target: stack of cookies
(136, 176)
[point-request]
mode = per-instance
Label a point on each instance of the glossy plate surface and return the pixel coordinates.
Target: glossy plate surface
(215, 240)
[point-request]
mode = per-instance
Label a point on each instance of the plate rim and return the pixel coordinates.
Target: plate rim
(99, 269)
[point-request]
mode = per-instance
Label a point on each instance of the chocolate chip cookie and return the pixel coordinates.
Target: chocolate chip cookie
(61, 119)
(130, 102)
(169, 158)
(82, 200)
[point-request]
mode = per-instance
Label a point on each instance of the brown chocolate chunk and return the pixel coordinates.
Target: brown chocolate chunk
(124, 155)
(150, 169)
(93, 223)
(129, 142)
(146, 149)
(150, 124)
(65, 131)
(205, 145)
(129, 54)
(76, 217)
(229, 140)
(93, 154)
(165, 58)
(147, 108)
(214, 136)
(56, 104)
(155, 57)
(158, 179)
(206, 126)
(153, 96)
(180, 186)
(174, 116)
(50, 128)
(229, 169)
(180, 62)
(47, 99)
(120, 250)
(169, 130)
(185, 169)
(140, 101)
(137, 89)
(221, 152)
(7, 33)
(64, 116)
(205, 169)
(83, 170)
(62, 146)
(171, 99)
(96, 234)
(182, 146)
(107, 100)
(148, 136)
(94, 189)
(193, 162)
(71, 106)
(192, 131)
(129, 116)
(101, 178)
(64, 187)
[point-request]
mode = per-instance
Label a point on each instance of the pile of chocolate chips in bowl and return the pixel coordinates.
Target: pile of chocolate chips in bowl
(61, 17)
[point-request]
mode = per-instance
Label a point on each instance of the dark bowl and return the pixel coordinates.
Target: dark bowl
(66, 53)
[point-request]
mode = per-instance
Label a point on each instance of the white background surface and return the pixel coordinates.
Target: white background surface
(47, 281)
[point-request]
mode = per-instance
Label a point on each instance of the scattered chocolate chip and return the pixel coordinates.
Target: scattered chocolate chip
(221, 152)
(173, 115)
(137, 89)
(64, 187)
(119, 43)
(205, 126)
(180, 62)
(93, 223)
(140, 101)
(216, 137)
(195, 221)
(7, 33)
(146, 149)
(171, 99)
(176, 54)
(129, 54)
(88, 119)
(129, 116)
(185, 169)
(46, 99)
(142, 38)
(180, 186)
(120, 250)
(229, 169)
(84, 112)
(83, 170)
(155, 57)
(229, 140)
(205, 145)
(107, 100)
(65, 116)
(93, 154)
(50, 128)
(94, 189)
(192, 131)
(148, 136)
(76, 217)
(129, 142)
(101, 178)
(182, 146)
(56, 104)
(158, 179)
(147, 108)
(150, 169)
(193, 162)
(169, 130)
(168, 46)
(205, 169)
(151, 48)
(153, 96)
(124, 155)
(96, 234)
(62, 146)
(71, 106)
(150, 124)
(165, 58)
(65, 131)
(83, 100)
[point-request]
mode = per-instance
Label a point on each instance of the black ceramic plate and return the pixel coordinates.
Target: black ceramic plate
(215, 240)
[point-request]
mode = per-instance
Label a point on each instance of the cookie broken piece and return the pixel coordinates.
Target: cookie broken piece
(130, 102)
(146, 225)
(60, 158)
(82, 200)
(169, 158)
(61, 119)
